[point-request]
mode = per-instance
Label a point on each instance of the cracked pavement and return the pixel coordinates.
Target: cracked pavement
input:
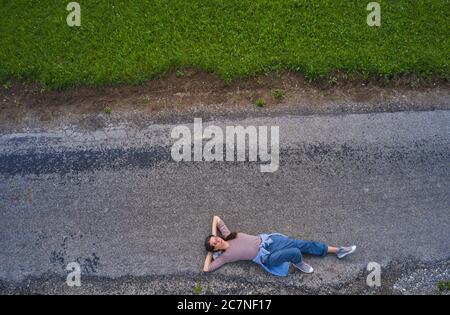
(114, 201)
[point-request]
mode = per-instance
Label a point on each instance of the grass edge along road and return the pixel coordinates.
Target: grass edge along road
(122, 43)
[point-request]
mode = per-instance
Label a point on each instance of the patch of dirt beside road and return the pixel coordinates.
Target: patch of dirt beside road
(199, 94)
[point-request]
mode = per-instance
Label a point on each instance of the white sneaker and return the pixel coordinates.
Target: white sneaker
(304, 267)
(344, 251)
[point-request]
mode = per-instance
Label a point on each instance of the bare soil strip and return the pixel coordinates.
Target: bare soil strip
(199, 94)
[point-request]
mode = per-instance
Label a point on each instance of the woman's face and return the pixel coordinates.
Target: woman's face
(217, 242)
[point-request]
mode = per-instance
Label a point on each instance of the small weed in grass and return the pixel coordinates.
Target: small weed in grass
(146, 98)
(332, 80)
(180, 74)
(107, 110)
(260, 102)
(444, 286)
(278, 94)
(7, 85)
(198, 287)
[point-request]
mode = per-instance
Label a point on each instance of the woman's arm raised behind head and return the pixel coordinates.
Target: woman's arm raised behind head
(223, 228)
(207, 263)
(215, 222)
(209, 256)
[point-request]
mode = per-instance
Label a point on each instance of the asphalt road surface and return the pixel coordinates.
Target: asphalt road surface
(114, 201)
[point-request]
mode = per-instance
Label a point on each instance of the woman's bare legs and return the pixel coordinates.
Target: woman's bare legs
(332, 250)
(341, 252)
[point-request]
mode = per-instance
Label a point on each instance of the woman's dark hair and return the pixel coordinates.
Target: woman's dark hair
(210, 248)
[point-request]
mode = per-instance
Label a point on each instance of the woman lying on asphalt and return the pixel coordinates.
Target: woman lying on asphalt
(274, 252)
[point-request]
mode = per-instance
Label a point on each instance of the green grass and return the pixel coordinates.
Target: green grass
(260, 102)
(198, 286)
(180, 74)
(278, 94)
(443, 286)
(7, 85)
(130, 43)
